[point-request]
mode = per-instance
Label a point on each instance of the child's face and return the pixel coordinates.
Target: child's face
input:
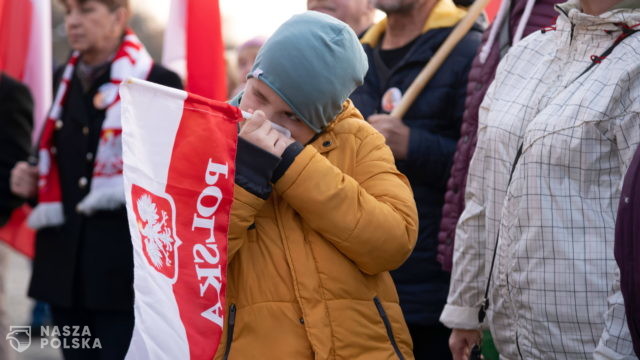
(259, 96)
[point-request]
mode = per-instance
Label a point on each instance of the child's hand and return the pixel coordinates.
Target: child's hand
(259, 132)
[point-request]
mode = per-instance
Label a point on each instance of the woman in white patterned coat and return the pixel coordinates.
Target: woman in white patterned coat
(558, 129)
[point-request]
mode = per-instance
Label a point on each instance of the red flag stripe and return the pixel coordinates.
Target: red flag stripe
(206, 75)
(201, 184)
(15, 30)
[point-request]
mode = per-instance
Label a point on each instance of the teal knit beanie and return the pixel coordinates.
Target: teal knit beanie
(313, 62)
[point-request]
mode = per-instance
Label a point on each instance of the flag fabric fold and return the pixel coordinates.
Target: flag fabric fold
(17, 234)
(178, 152)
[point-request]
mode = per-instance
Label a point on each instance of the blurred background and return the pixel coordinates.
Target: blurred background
(241, 21)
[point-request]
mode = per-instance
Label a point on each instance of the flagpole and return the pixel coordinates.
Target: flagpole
(440, 56)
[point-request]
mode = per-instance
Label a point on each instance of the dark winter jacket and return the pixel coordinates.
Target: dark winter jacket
(480, 78)
(16, 122)
(434, 122)
(627, 247)
(88, 261)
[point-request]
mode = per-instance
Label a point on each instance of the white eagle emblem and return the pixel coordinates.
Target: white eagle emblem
(155, 228)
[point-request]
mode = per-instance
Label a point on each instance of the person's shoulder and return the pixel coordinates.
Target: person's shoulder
(629, 51)
(469, 44)
(57, 75)
(431, 40)
(525, 60)
(57, 72)
(540, 41)
(10, 87)
(351, 123)
(163, 76)
(532, 49)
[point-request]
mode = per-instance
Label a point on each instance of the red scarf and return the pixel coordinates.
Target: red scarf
(107, 189)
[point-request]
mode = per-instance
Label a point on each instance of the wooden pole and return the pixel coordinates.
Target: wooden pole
(439, 57)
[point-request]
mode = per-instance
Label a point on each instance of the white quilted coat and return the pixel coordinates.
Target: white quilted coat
(555, 287)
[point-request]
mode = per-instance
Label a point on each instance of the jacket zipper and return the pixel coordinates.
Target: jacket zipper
(573, 26)
(231, 324)
(518, 345)
(387, 326)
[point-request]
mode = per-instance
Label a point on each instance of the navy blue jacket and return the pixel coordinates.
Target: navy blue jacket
(434, 120)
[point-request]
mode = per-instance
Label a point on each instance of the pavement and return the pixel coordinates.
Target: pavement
(18, 307)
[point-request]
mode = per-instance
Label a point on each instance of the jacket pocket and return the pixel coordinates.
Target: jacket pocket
(387, 325)
(231, 323)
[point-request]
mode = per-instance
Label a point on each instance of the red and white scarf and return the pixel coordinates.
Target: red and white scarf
(107, 189)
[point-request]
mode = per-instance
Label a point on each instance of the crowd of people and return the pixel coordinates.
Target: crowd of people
(497, 213)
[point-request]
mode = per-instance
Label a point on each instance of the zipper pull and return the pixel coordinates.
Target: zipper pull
(482, 313)
(232, 314)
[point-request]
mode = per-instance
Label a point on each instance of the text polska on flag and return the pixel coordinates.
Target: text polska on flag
(178, 152)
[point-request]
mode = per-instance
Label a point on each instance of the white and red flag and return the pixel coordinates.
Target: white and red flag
(179, 151)
(193, 47)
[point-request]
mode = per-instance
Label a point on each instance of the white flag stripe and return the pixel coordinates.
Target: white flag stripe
(149, 110)
(38, 65)
(174, 49)
(162, 108)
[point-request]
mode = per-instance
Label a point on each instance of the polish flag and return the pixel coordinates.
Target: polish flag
(178, 151)
(193, 47)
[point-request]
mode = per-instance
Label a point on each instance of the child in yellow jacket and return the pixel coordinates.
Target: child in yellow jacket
(320, 213)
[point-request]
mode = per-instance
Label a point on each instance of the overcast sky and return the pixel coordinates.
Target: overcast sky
(244, 19)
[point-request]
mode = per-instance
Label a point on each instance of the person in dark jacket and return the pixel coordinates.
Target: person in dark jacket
(423, 142)
(83, 264)
(16, 123)
(627, 248)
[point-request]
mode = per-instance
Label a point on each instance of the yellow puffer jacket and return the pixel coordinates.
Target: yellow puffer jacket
(308, 268)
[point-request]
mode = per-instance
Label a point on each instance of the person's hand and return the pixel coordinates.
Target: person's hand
(24, 180)
(395, 131)
(259, 132)
(461, 341)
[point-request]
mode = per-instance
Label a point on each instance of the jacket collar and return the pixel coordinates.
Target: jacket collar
(444, 14)
(572, 12)
(627, 4)
(328, 140)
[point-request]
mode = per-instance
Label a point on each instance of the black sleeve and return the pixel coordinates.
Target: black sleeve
(288, 156)
(435, 150)
(257, 169)
(16, 124)
(254, 168)
(163, 76)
